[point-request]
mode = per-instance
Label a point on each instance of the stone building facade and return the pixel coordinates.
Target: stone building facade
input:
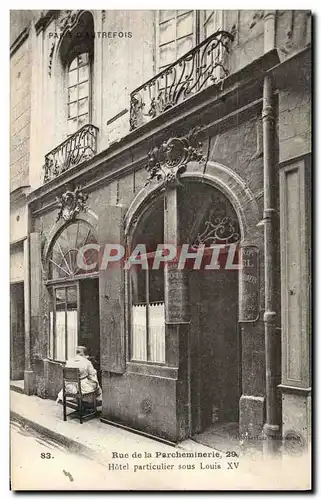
(20, 111)
(181, 127)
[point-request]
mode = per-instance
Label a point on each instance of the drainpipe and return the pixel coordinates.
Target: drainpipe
(271, 427)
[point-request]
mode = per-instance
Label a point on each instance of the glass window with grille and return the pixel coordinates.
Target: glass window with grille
(210, 21)
(180, 30)
(74, 246)
(176, 35)
(147, 314)
(147, 310)
(63, 331)
(79, 89)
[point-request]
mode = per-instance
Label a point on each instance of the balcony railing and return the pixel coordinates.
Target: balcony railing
(202, 66)
(77, 148)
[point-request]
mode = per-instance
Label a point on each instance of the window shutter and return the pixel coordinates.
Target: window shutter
(112, 294)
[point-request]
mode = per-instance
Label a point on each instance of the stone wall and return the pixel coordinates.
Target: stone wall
(295, 120)
(20, 102)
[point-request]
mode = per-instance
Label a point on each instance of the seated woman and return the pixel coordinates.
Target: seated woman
(88, 376)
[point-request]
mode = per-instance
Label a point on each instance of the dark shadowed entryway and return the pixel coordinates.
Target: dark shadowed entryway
(208, 218)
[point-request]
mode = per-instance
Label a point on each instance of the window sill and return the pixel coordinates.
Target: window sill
(152, 370)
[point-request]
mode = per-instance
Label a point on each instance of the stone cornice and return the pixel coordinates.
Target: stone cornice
(19, 193)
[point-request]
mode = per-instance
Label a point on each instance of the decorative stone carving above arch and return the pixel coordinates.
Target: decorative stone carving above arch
(220, 177)
(168, 161)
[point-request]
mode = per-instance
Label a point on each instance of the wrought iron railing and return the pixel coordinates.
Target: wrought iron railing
(204, 65)
(77, 148)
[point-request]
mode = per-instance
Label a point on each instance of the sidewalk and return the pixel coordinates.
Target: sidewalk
(93, 439)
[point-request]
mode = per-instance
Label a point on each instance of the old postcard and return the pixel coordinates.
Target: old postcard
(160, 241)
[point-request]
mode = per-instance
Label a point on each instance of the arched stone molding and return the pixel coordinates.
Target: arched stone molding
(219, 177)
(224, 179)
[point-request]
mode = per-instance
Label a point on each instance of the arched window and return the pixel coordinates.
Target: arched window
(73, 256)
(77, 55)
(67, 252)
(79, 99)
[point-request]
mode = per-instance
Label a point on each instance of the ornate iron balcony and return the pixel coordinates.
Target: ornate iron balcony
(77, 148)
(202, 66)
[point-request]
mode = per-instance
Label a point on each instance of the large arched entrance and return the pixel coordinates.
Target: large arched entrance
(208, 219)
(202, 337)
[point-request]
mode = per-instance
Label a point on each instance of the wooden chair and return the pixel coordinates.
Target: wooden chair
(75, 401)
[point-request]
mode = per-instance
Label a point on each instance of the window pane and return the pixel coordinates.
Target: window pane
(72, 94)
(167, 32)
(72, 297)
(156, 285)
(139, 333)
(73, 64)
(164, 15)
(72, 126)
(60, 335)
(72, 338)
(167, 54)
(60, 298)
(83, 59)
(83, 73)
(213, 23)
(83, 90)
(181, 12)
(138, 280)
(51, 335)
(83, 106)
(83, 120)
(72, 110)
(185, 24)
(156, 333)
(184, 45)
(72, 78)
(208, 14)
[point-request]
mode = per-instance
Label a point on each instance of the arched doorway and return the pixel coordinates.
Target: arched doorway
(208, 218)
(201, 332)
(74, 292)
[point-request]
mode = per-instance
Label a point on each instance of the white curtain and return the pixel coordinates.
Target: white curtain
(60, 335)
(51, 335)
(72, 324)
(157, 332)
(139, 347)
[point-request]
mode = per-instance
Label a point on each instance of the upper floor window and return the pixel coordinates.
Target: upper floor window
(79, 101)
(176, 35)
(210, 21)
(77, 74)
(180, 30)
